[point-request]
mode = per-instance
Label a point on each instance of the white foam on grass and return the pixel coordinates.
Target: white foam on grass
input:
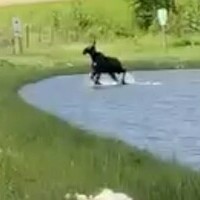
(105, 194)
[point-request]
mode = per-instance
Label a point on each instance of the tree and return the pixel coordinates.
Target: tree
(145, 10)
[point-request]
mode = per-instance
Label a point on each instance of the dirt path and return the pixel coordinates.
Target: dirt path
(12, 2)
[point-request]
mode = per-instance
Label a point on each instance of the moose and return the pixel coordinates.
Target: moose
(103, 64)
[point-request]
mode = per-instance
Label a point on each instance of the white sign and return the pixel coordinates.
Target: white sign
(17, 26)
(162, 16)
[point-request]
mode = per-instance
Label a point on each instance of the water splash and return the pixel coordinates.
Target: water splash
(130, 80)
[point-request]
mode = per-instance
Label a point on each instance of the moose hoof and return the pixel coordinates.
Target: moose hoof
(123, 82)
(97, 83)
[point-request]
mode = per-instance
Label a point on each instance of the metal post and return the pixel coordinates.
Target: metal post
(164, 38)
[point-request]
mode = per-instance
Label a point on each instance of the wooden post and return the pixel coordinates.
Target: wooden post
(40, 35)
(13, 45)
(27, 36)
(52, 35)
(20, 42)
(164, 38)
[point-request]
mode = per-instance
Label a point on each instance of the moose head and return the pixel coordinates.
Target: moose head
(90, 49)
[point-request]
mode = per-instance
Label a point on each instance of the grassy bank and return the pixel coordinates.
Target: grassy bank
(43, 158)
(140, 57)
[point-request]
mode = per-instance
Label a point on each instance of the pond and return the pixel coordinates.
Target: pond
(159, 112)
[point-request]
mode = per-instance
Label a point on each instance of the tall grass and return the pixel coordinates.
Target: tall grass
(87, 17)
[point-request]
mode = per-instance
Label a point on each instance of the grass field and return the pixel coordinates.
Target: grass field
(43, 158)
(64, 48)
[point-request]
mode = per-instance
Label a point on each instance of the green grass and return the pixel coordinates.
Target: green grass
(42, 12)
(43, 158)
(146, 54)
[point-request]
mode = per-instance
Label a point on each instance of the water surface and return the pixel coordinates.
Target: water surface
(160, 112)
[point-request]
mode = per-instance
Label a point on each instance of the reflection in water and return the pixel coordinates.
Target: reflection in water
(159, 111)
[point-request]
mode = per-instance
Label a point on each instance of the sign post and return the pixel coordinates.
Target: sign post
(162, 19)
(27, 27)
(17, 34)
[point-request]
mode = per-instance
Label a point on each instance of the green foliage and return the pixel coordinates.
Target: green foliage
(145, 10)
(187, 19)
(92, 23)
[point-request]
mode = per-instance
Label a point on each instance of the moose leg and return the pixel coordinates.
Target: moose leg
(123, 77)
(93, 73)
(113, 76)
(97, 79)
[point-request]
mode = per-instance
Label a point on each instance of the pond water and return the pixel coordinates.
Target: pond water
(159, 112)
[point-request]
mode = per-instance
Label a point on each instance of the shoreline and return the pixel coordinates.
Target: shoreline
(131, 65)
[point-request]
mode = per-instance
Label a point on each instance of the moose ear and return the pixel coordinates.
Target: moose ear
(94, 42)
